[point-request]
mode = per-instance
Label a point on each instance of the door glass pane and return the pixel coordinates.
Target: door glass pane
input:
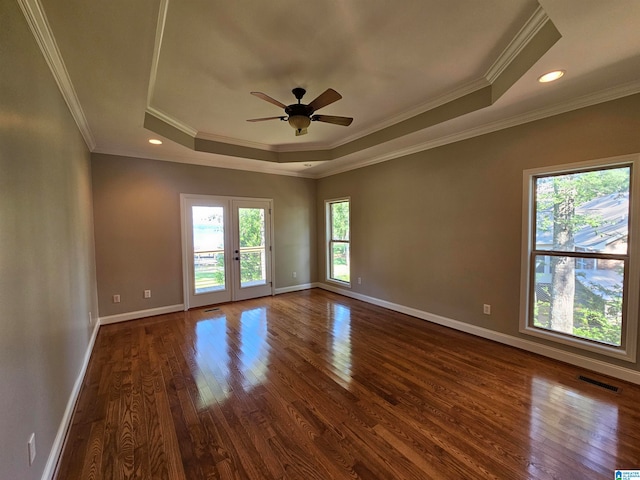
(208, 249)
(253, 267)
(593, 290)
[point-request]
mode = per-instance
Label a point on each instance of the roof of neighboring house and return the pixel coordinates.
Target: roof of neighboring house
(612, 213)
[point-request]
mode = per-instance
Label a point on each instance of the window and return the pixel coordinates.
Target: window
(338, 252)
(580, 269)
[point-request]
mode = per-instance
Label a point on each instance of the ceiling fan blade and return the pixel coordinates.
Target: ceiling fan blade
(302, 131)
(267, 98)
(265, 118)
(326, 98)
(344, 121)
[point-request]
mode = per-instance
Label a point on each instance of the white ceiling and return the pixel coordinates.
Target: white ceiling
(193, 63)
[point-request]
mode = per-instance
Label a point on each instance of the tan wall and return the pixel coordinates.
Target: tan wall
(137, 225)
(47, 270)
(440, 230)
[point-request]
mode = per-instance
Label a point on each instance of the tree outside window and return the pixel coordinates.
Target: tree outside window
(579, 261)
(339, 240)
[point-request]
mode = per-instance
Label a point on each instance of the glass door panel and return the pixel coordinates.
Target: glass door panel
(207, 240)
(208, 249)
(251, 227)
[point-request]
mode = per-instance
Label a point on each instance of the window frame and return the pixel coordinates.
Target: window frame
(330, 241)
(631, 283)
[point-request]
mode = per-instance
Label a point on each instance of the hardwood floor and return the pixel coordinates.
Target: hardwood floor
(312, 385)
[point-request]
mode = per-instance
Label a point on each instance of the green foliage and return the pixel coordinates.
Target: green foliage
(597, 326)
(340, 250)
(340, 220)
(251, 226)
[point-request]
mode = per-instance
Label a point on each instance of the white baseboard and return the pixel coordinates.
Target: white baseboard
(123, 317)
(592, 364)
(295, 288)
(65, 423)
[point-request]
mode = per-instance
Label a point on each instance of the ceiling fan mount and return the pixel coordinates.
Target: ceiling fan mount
(298, 92)
(300, 115)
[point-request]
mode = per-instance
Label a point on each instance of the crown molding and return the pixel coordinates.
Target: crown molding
(37, 21)
(175, 123)
(589, 100)
(519, 42)
(450, 96)
(157, 46)
(230, 163)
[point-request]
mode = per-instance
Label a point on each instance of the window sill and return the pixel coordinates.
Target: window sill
(338, 282)
(627, 354)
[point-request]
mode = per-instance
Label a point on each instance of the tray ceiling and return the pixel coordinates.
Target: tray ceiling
(412, 74)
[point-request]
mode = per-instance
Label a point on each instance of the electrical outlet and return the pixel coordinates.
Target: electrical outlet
(486, 309)
(294, 274)
(31, 445)
(116, 299)
(90, 319)
(359, 280)
(147, 294)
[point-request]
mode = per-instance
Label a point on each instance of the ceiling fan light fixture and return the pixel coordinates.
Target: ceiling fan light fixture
(299, 122)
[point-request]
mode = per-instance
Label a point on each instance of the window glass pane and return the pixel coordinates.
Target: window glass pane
(586, 303)
(583, 212)
(208, 248)
(340, 261)
(340, 221)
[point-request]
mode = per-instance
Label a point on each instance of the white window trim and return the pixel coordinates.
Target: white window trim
(327, 220)
(627, 351)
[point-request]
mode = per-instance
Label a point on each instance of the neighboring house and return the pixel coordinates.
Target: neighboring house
(610, 214)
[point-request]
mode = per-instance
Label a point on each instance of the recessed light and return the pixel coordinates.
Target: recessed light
(551, 76)
(155, 141)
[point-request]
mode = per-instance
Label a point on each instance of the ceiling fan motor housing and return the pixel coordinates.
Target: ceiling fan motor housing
(299, 109)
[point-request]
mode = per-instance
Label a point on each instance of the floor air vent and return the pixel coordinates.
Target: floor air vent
(212, 309)
(599, 383)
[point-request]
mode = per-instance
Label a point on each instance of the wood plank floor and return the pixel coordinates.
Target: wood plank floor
(313, 385)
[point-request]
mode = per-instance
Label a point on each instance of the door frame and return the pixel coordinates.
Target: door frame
(184, 198)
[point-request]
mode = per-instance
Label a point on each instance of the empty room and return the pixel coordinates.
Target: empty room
(323, 240)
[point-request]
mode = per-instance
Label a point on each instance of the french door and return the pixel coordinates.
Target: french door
(226, 245)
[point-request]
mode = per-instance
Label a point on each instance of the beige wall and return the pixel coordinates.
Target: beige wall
(440, 230)
(137, 225)
(47, 271)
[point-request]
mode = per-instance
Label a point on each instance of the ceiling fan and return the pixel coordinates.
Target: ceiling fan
(300, 115)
